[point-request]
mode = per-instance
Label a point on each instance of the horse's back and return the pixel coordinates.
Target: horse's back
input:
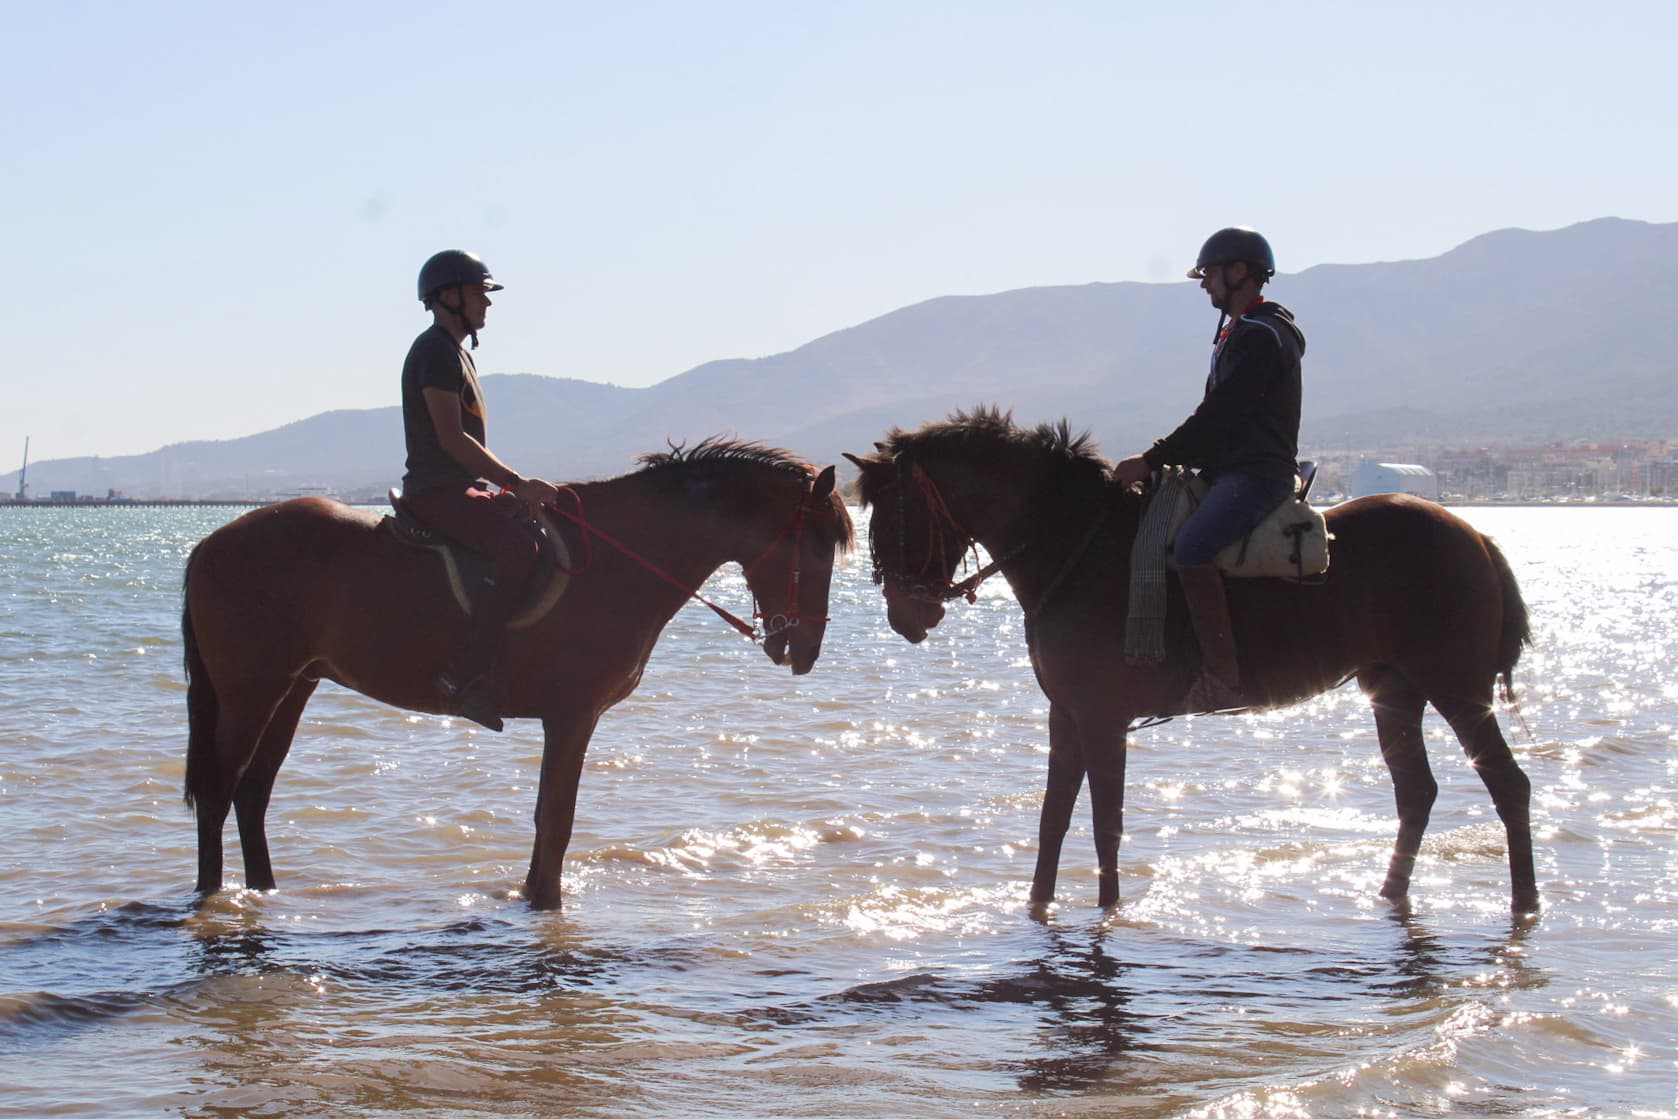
(1394, 510)
(307, 517)
(1401, 532)
(274, 566)
(265, 542)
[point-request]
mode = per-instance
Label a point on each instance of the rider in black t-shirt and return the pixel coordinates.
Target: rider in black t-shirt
(450, 468)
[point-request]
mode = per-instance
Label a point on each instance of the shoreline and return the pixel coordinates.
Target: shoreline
(166, 502)
(257, 502)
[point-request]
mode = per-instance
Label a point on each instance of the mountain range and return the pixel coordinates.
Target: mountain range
(1512, 337)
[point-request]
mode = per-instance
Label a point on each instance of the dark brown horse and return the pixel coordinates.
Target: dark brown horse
(1418, 606)
(309, 589)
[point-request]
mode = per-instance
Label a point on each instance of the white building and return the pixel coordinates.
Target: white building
(1394, 477)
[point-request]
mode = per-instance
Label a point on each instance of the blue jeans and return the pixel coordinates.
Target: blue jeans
(1235, 503)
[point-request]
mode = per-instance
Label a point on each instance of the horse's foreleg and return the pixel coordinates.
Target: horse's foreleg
(1060, 796)
(1476, 727)
(1398, 724)
(565, 741)
(250, 799)
(1104, 758)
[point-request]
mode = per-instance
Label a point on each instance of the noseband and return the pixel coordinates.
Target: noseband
(790, 617)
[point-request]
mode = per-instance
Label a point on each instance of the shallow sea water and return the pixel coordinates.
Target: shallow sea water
(807, 896)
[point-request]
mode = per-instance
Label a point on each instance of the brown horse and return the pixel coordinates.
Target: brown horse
(309, 589)
(1418, 606)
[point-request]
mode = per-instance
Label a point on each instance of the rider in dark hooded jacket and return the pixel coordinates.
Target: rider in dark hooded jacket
(1249, 418)
(1243, 438)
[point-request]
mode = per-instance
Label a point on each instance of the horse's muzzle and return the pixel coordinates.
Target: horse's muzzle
(799, 654)
(912, 618)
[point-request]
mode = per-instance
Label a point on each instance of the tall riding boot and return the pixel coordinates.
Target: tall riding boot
(469, 682)
(1203, 588)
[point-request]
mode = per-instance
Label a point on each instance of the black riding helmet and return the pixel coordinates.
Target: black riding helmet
(1237, 243)
(453, 268)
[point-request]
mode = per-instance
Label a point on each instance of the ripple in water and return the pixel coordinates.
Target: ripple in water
(809, 896)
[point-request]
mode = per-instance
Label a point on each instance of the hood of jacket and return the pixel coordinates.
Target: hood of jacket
(1281, 316)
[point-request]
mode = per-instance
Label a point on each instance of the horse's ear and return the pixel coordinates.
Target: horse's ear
(879, 446)
(823, 485)
(860, 464)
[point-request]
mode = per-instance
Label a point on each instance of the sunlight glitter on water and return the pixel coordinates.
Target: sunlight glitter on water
(812, 892)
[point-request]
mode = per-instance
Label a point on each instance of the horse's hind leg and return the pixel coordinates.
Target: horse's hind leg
(1476, 727)
(211, 815)
(1398, 723)
(250, 798)
(240, 720)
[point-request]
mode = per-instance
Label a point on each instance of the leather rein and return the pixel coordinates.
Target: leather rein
(788, 618)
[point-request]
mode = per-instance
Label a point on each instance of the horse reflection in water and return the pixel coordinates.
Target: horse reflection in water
(1417, 605)
(310, 589)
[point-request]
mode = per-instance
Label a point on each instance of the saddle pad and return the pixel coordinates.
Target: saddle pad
(1291, 542)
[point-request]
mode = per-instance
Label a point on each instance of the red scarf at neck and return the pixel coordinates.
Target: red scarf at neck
(1229, 326)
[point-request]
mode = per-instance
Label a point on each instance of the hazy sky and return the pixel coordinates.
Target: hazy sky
(214, 213)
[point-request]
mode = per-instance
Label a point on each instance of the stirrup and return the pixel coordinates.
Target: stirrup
(1209, 694)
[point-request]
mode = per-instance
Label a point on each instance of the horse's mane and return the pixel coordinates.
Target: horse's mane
(989, 430)
(988, 426)
(720, 450)
(717, 453)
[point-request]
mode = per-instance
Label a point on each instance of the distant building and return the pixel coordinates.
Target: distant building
(1394, 477)
(305, 491)
(1660, 477)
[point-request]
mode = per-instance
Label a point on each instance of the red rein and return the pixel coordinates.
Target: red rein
(787, 619)
(939, 515)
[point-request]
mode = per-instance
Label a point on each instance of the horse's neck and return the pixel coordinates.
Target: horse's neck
(988, 504)
(1045, 543)
(697, 530)
(671, 530)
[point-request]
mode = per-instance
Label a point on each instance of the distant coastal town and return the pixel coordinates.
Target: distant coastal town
(117, 497)
(1579, 472)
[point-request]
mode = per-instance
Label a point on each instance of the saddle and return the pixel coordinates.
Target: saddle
(1291, 542)
(465, 568)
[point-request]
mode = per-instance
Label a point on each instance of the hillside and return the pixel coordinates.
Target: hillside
(1514, 336)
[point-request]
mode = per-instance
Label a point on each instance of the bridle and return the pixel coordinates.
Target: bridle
(924, 586)
(791, 616)
(947, 541)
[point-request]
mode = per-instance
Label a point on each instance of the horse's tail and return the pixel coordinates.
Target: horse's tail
(201, 703)
(1517, 623)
